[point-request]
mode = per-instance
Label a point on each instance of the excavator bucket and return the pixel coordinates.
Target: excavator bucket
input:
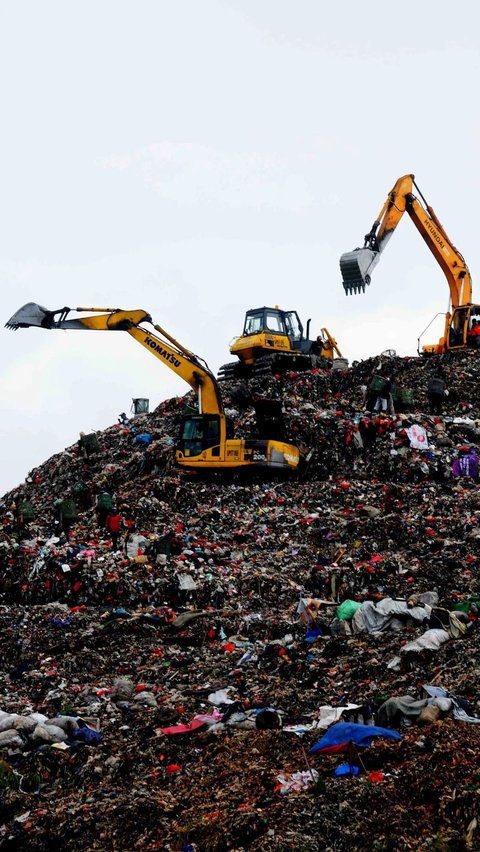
(31, 314)
(356, 267)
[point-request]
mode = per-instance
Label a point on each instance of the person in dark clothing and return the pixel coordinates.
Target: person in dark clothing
(384, 397)
(67, 514)
(436, 394)
(103, 507)
(88, 445)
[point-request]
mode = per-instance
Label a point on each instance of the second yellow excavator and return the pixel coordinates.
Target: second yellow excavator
(206, 440)
(273, 341)
(463, 315)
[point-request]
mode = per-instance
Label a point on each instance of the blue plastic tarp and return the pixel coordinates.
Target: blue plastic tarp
(346, 769)
(343, 734)
(143, 438)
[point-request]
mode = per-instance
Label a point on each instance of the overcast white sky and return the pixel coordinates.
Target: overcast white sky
(201, 157)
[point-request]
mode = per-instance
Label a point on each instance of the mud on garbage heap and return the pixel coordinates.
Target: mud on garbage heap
(162, 687)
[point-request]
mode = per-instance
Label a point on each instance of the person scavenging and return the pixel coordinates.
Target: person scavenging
(104, 504)
(384, 401)
(436, 392)
(113, 524)
(467, 463)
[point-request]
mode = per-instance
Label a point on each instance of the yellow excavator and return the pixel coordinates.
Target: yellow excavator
(357, 266)
(206, 439)
(273, 341)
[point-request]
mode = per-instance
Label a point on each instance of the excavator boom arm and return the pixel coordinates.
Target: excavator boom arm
(447, 256)
(357, 266)
(171, 353)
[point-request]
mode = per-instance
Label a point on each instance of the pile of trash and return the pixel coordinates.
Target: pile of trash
(169, 679)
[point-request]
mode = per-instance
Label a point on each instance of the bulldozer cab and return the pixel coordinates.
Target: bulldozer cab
(273, 341)
(274, 321)
(293, 325)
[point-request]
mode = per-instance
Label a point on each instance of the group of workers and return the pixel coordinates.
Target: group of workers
(467, 464)
(382, 400)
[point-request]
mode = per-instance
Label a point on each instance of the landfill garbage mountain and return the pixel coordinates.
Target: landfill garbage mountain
(173, 647)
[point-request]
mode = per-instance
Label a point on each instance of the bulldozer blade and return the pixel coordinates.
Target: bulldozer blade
(356, 267)
(29, 315)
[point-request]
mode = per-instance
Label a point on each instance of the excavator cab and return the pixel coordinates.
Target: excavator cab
(200, 432)
(461, 332)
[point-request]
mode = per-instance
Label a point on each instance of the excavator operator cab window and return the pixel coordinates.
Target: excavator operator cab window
(294, 326)
(199, 433)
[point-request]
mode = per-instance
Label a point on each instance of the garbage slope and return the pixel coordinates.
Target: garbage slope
(200, 652)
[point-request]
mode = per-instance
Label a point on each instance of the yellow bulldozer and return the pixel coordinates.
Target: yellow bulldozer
(273, 341)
